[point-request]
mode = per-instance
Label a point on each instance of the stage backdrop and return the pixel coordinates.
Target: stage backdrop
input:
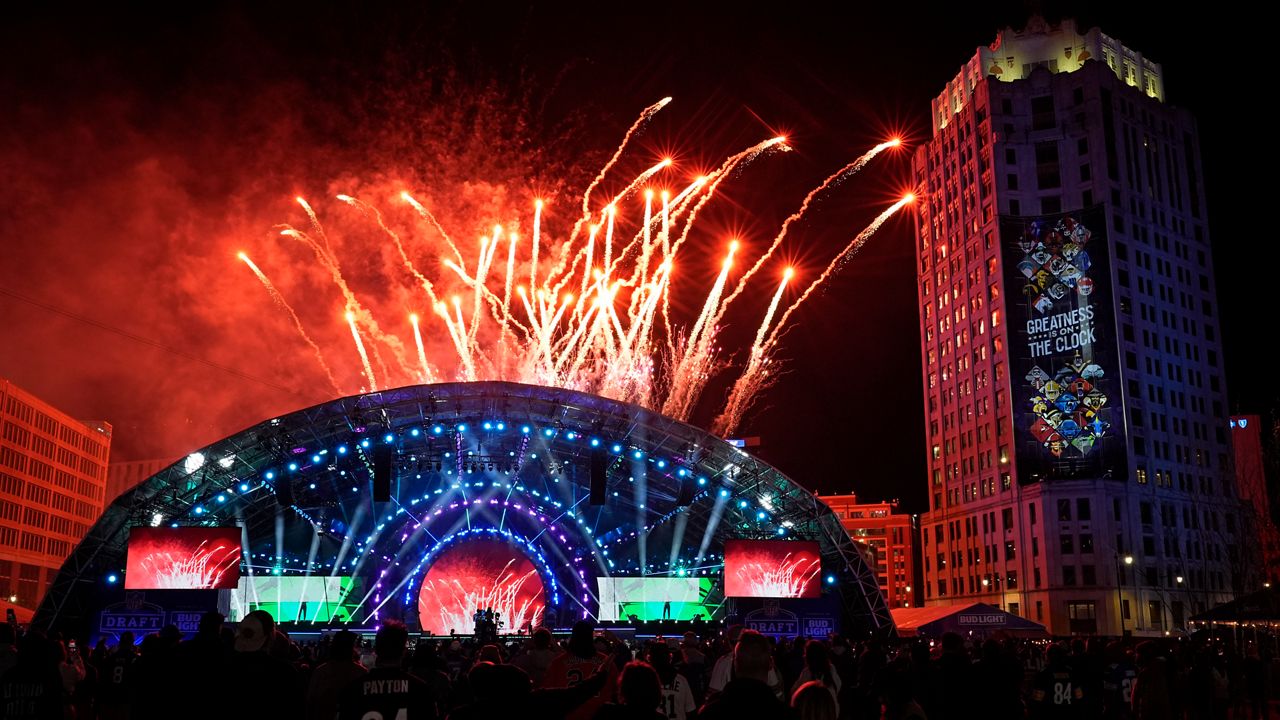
(772, 568)
(480, 574)
(654, 598)
(185, 558)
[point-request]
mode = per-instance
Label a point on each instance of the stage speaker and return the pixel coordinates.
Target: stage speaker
(284, 491)
(599, 474)
(382, 472)
(685, 496)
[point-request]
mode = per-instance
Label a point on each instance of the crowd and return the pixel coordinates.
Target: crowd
(256, 671)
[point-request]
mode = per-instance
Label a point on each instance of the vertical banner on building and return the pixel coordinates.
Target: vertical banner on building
(1064, 369)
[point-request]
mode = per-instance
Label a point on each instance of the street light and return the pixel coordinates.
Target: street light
(1178, 579)
(1128, 560)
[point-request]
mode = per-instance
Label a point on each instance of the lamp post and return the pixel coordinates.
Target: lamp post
(1128, 561)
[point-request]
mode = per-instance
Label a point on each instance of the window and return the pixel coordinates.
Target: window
(1064, 510)
(1082, 617)
(1006, 518)
(1069, 575)
(1042, 114)
(1082, 509)
(1068, 544)
(1089, 574)
(1156, 613)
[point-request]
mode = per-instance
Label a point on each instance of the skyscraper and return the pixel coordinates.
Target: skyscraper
(53, 475)
(1080, 469)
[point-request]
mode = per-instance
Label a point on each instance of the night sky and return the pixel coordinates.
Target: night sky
(141, 150)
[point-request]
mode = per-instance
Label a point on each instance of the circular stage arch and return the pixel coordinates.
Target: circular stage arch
(460, 464)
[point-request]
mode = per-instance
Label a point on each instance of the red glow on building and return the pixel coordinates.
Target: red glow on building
(890, 540)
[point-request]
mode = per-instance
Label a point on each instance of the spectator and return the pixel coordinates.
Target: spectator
(640, 693)
(1151, 700)
(8, 648)
(677, 695)
(1000, 678)
(722, 672)
(328, 680)
(817, 668)
(115, 690)
(32, 688)
(263, 686)
(579, 661)
(1056, 691)
(813, 701)
(748, 694)
(387, 691)
(537, 658)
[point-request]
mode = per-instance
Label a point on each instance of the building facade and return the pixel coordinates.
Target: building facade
(1080, 469)
(53, 475)
(889, 536)
(124, 475)
(1251, 479)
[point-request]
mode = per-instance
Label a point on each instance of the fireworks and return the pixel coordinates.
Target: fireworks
(589, 310)
(205, 567)
(449, 604)
(789, 579)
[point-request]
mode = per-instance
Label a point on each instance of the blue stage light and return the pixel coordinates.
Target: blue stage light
(595, 442)
(293, 466)
(548, 432)
(270, 475)
(222, 498)
(702, 481)
(782, 531)
(637, 454)
(742, 503)
(761, 515)
(724, 493)
(488, 426)
(364, 443)
(244, 487)
(462, 427)
(616, 448)
(502, 426)
(342, 449)
(112, 578)
(414, 432)
(315, 458)
(437, 429)
(662, 463)
(199, 509)
(831, 579)
(313, 486)
(524, 429)
(388, 437)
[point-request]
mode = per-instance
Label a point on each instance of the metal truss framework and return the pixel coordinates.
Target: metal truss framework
(317, 499)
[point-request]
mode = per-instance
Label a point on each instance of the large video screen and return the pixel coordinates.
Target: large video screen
(295, 599)
(772, 569)
(480, 574)
(185, 558)
(654, 598)
(1064, 369)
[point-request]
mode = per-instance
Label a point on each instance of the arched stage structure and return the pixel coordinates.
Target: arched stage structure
(485, 480)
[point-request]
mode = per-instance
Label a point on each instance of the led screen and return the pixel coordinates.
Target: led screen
(295, 599)
(480, 574)
(187, 558)
(772, 568)
(654, 598)
(1064, 371)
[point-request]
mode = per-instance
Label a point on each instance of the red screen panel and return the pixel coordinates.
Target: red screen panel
(772, 568)
(187, 558)
(480, 574)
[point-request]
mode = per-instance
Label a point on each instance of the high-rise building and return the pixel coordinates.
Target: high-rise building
(889, 536)
(1079, 468)
(53, 475)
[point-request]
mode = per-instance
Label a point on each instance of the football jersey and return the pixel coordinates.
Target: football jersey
(1057, 693)
(677, 698)
(386, 693)
(567, 670)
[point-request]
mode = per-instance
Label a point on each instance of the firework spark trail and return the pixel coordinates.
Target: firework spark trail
(426, 215)
(835, 179)
(786, 580)
(752, 380)
(364, 357)
(835, 265)
(297, 323)
(427, 375)
(614, 334)
(646, 115)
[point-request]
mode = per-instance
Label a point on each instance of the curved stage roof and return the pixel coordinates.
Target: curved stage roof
(472, 459)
